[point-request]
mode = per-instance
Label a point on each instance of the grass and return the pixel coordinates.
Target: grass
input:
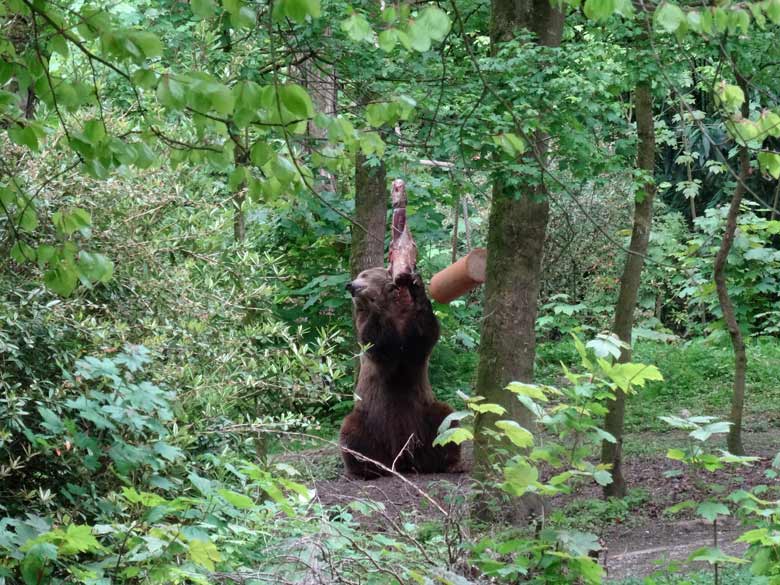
(728, 576)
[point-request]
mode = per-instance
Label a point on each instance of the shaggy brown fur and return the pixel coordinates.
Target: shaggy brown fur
(395, 397)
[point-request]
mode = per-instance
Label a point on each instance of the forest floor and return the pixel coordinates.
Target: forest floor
(639, 537)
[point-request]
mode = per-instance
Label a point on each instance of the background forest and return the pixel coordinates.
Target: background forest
(186, 188)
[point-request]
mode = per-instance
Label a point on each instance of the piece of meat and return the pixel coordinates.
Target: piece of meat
(403, 250)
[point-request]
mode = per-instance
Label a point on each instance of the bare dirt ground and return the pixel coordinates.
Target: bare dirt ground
(636, 546)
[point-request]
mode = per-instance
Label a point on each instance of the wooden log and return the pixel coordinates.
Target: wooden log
(403, 250)
(459, 278)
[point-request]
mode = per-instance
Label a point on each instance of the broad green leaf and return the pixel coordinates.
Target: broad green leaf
(22, 252)
(518, 477)
(714, 555)
(706, 432)
(669, 17)
(69, 221)
(599, 9)
(95, 267)
(149, 43)
(295, 99)
(24, 136)
(530, 390)
(487, 407)
(519, 436)
(770, 163)
(357, 28)
(298, 10)
(711, 510)
(675, 454)
(78, 539)
(451, 418)
(261, 153)
(454, 435)
(33, 567)
(602, 477)
(28, 218)
(203, 8)
(388, 39)
(240, 501)
(204, 553)
(61, 279)
(436, 22)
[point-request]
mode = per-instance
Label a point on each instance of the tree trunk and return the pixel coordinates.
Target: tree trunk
(734, 440)
(455, 212)
(611, 453)
(371, 195)
(515, 242)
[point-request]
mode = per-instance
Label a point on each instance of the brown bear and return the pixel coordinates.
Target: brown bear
(396, 416)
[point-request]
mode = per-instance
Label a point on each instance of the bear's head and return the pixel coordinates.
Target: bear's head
(386, 310)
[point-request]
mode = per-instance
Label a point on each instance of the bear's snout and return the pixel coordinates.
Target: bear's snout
(354, 287)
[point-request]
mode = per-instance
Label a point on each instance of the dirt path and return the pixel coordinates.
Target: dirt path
(634, 545)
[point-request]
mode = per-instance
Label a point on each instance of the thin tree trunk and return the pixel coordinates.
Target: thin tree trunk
(466, 226)
(611, 453)
(239, 219)
(734, 440)
(371, 195)
(455, 211)
(515, 243)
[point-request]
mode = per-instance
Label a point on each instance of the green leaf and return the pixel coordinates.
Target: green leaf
(388, 39)
(28, 219)
(149, 43)
(72, 220)
(78, 539)
(518, 477)
(204, 553)
(519, 436)
(602, 477)
(261, 153)
(418, 36)
(456, 435)
(295, 99)
(95, 267)
(21, 252)
(24, 136)
(298, 10)
(203, 8)
(357, 28)
(61, 279)
(669, 17)
(772, 8)
(531, 390)
(487, 407)
(706, 432)
(33, 566)
(770, 163)
(599, 9)
(714, 555)
(170, 92)
(676, 454)
(436, 22)
(711, 510)
(240, 501)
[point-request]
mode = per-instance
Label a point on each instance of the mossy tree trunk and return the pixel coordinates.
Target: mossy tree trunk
(516, 233)
(611, 453)
(371, 196)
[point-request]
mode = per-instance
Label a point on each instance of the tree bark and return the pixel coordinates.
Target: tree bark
(611, 453)
(515, 242)
(371, 195)
(734, 439)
